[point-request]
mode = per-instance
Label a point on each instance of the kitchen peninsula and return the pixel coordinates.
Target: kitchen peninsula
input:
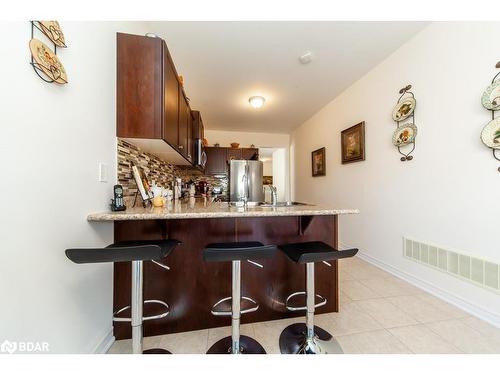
(192, 286)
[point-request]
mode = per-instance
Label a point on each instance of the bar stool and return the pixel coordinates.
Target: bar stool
(235, 252)
(135, 252)
(300, 338)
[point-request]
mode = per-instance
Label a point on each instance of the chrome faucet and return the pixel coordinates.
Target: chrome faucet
(274, 195)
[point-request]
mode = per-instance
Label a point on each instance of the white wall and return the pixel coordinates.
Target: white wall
(280, 175)
(245, 139)
(267, 168)
(52, 138)
(448, 195)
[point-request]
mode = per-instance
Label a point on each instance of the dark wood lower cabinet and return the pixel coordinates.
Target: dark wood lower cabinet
(192, 286)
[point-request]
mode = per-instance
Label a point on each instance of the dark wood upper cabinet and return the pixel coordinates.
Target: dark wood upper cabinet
(190, 141)
(151, 103)
(170, 100)
(198, 128)
(242, 154)
(139, 86)
(250, 153)
(183, 124)
(234, 154)
(216, 160)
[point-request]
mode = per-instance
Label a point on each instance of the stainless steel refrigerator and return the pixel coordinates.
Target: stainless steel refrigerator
(245, 181)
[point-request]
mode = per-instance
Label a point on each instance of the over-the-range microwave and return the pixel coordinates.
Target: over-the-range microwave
(200, 156)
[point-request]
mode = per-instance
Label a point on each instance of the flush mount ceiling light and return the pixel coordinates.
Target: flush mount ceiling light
(306, 57)
(257, 101)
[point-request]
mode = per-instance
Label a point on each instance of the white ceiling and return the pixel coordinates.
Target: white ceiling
(224, 63)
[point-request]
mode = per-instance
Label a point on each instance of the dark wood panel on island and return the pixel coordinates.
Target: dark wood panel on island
(192, 286)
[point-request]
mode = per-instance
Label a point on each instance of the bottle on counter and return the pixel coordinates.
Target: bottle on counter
(168, 194)
(177, 189)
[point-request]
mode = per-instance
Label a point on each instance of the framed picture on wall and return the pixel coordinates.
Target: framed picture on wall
(353, 143)
(318, 162)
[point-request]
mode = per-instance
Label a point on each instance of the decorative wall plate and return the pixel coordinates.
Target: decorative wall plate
(404, 135)
(491, 134)
(404, 109)
(491, 96)
(54, 32)
(46, 61)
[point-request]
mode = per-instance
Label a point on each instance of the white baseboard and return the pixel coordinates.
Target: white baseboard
(455, 300)
(105, 343)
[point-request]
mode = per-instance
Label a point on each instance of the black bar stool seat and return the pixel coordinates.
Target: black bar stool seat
(314, 251)
(235, 252)
(300, 338)
(231, 251)
(125, 251)
(135, 252)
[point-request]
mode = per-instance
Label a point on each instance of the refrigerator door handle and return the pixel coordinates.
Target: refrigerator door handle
(247, 182)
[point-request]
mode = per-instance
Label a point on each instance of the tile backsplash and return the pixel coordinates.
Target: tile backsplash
(156, 170)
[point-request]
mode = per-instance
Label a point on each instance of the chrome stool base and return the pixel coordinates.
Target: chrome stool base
(247, 346)
(293, 340)
(156, 351)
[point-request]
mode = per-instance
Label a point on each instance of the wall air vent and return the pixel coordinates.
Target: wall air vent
(479, 271)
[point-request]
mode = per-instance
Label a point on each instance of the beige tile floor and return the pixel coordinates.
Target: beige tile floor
(379, 313)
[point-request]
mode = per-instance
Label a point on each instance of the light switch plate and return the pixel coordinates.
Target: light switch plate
(103, 172)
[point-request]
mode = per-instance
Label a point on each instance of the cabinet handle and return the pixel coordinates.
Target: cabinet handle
(181, 147)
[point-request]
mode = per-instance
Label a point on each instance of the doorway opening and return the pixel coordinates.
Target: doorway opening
(275, 167)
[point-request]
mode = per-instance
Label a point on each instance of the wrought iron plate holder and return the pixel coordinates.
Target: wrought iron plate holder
(406, 90)
(494, 150)
(36, 67)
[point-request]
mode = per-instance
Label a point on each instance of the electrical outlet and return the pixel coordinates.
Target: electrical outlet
(103, 172)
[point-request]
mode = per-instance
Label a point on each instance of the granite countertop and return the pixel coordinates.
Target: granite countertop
(202, 209)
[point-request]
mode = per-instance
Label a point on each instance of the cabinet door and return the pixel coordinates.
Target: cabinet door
(198, 131)
(190, 142)
(139, 86)
(234, 154)
(183, 124)
(170, 100)
(250, 153)
(216, 160)
(201, 128)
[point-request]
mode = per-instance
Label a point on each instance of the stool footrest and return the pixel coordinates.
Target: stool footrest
(322, 302)
(229, 312)
(151, 317)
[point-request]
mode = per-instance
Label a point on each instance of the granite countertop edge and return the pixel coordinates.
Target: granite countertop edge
(216, 212)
